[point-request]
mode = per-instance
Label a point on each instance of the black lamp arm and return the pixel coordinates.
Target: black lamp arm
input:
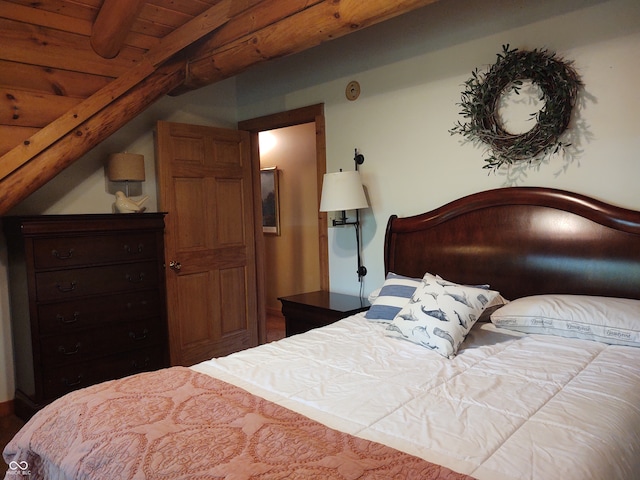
(362, 270)
(342, 220)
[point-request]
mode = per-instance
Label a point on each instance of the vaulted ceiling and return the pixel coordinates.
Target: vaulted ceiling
(72, 72)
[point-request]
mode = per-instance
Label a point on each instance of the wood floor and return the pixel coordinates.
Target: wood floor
(275, 326)
(10, 424)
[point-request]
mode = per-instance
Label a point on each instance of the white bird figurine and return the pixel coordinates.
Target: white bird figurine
(127, 205)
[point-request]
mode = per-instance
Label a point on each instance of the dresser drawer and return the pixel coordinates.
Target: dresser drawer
(67, 378)
(89, 312)
(82, 345)
(57, 252)
(77, 282)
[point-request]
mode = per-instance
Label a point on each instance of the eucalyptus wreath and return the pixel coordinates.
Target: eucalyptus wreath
(558, 83)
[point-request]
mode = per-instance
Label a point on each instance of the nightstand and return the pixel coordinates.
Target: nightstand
(316, 309)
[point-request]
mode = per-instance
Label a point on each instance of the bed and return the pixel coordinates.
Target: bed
(539, 380)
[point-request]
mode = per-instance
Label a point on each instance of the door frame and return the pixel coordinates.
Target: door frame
(289, 118)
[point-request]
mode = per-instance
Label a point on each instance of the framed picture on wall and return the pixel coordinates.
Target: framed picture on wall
(270, 201)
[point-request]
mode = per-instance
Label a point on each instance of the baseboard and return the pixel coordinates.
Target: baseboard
(6, 408)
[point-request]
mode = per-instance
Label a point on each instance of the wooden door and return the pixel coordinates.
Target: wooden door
(205, 185)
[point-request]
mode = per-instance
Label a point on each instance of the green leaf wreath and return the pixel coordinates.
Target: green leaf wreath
(559, 85)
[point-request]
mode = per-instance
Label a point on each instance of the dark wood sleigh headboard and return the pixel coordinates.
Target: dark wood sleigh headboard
(522, 241)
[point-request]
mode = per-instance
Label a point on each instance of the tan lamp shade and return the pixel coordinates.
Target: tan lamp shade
(123, 167)
(342, 191)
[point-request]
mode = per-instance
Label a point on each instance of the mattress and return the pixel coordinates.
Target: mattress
(508, 406)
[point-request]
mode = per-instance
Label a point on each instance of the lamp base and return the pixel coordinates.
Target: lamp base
(124, 204)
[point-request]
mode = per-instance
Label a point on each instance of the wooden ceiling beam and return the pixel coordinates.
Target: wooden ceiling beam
(245, 32)
(48, 163)
(10, 135)
(224, 55)
(105, 97)
(24, 108)
(52, 81)
(112, 25)
(191, 32)
(53, 48)
(64, 23)
(35, 16)
(258, 15)
(22, 153)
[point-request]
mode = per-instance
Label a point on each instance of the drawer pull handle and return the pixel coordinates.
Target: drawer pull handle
(77, 382)
(70, 288)
(131, 305)
(64, 351)
(131, 279)
(61, 256)
(143, 365)
(140, 248)
(63, 320)
(138, 338)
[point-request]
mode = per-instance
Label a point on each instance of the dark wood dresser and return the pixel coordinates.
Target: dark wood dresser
(88, 301)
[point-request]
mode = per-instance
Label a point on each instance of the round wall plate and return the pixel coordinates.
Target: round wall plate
(353, 90)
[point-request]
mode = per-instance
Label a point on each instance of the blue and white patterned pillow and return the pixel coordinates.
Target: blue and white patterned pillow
(394, 294)
(440, 314)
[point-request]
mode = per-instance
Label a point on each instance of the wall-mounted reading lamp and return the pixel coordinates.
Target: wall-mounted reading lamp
(342, 191)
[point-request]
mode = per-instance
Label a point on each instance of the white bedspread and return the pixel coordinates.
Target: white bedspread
(509, 406)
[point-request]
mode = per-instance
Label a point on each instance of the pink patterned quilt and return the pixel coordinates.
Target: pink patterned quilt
(180, 424)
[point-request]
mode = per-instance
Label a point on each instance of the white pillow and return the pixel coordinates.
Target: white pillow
(440, 314)
(614, 321)
(394, 294)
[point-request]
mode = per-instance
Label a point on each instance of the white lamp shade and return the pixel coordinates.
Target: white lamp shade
(342, 191)
(123, 167)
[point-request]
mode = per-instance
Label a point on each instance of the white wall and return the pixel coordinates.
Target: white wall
(82, 187)
(411, 72)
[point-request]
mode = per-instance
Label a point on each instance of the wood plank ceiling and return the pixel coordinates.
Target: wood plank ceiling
(72, 72)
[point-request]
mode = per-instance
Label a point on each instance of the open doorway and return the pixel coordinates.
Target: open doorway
(291, 262)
